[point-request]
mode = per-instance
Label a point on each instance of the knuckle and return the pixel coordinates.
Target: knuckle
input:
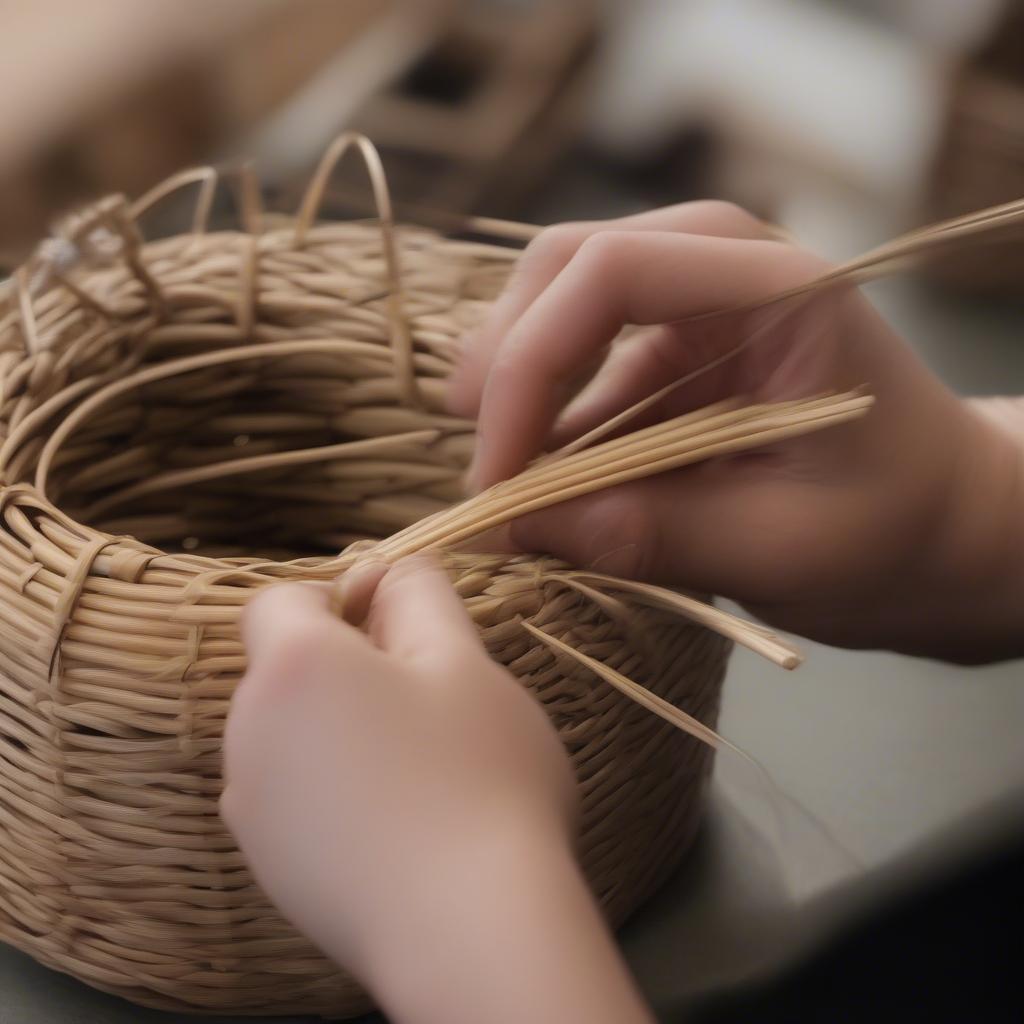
(622, 534)
(556, 243)
(602, 248)
(508, 363)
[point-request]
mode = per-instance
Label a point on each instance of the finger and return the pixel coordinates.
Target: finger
(548, 255)
(614, 279)
(357, 587)
(288, 627)
(290, 639)
(416, 613)
(790, 350)
(635, 369)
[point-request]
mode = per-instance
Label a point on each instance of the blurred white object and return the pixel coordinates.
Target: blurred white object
(809, 97)
(794, 75)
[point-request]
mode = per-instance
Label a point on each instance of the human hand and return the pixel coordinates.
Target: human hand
(900, 530)
(408, 806)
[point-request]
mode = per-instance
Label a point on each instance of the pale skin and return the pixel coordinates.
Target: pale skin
(405, 802)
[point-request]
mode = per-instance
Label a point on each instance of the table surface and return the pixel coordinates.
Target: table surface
(888, 753)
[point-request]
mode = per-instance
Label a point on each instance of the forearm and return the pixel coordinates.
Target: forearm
(505, 931)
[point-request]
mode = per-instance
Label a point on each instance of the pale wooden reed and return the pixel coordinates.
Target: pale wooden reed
(184, 421)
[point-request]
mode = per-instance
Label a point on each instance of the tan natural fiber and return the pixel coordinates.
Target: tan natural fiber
(187, 420)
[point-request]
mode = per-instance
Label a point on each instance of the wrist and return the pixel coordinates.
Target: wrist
(500, 927)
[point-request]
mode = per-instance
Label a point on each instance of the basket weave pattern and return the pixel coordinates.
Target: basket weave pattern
(153, 399)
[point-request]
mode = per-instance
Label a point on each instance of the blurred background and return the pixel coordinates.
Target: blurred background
(846, 121)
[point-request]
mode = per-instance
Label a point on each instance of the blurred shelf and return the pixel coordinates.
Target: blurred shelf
(112, 95)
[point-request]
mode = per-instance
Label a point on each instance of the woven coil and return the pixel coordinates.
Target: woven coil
(185, 421)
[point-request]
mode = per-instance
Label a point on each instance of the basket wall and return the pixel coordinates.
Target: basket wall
(119, 647)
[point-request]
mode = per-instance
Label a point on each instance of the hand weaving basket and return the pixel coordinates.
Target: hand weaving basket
(187, 420)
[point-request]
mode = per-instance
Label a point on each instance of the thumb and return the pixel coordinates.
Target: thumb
(285, 613)
(699, 527)
(416, 612)
(611, 531)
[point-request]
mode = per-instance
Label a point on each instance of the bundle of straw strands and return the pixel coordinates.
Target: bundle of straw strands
(187, 420)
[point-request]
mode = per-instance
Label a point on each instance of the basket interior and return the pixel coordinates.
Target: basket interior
(237, 412)
(168, 461)
(240, 411)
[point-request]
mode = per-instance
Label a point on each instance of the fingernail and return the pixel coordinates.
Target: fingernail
(354, 590)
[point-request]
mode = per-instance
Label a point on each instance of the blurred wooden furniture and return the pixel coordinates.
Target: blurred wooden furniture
(112, 95)
(477, 121)
(981, 159)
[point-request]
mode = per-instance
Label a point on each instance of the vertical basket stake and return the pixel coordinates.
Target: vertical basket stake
(401, 340)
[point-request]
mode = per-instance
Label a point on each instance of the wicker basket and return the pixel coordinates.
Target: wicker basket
(188, 420)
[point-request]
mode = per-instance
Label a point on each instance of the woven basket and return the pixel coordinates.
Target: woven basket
(188, 420)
